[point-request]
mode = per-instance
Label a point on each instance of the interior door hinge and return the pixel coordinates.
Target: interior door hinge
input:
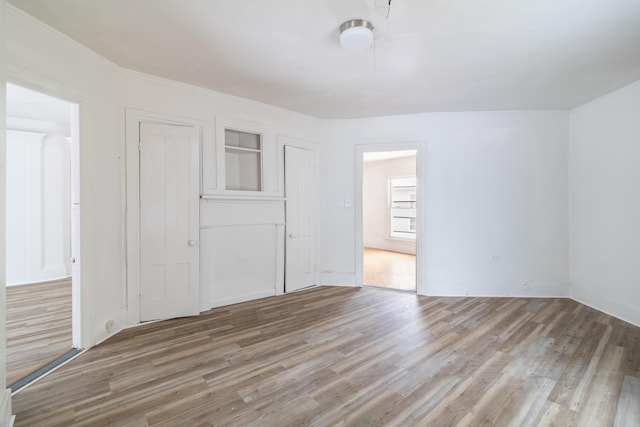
(140, 297)
(139, 146)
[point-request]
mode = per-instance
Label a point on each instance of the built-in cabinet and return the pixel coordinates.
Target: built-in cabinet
(241, 215)
(241, 162)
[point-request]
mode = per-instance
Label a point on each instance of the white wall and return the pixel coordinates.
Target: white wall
(495, 185)
(604, 178)
(375, 203)
(38, 207)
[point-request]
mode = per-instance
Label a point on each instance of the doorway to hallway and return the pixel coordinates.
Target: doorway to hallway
(42, 208)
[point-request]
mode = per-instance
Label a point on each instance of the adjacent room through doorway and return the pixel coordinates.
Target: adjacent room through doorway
(389, 207)
(40, 232)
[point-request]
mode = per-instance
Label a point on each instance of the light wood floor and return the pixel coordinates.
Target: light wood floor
(386, 269)
(38, 326)
(349, 356)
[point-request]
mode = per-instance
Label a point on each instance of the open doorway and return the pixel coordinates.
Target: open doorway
(389, 219)
(388, 232)
(41, 232)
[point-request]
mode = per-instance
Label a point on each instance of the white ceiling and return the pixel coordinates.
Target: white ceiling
(429, 55)
(33, 111)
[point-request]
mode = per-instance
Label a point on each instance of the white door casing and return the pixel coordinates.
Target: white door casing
(169, 221)
(300, 167)
(75, 227)
(360, 149)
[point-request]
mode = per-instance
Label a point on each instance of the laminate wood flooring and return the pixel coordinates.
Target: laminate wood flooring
(354, 356)
(386, 269)
(38, 326)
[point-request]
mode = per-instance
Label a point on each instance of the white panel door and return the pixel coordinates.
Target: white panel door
(299, 186)
(169, 221)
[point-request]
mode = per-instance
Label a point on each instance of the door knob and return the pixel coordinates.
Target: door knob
(193, 242)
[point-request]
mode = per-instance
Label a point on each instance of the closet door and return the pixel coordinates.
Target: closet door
(169, 221)
(300, 167)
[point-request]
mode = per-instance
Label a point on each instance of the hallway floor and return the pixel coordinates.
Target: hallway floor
(38, 326)
(386, 269)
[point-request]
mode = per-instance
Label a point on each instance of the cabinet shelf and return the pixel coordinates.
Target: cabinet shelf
(235, 149)
(243, 160)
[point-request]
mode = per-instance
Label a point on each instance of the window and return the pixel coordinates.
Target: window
(402, 208)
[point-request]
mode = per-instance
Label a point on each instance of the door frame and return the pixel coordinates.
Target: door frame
(284, 141)
(133, 118)
(360, 149)
(39, 83)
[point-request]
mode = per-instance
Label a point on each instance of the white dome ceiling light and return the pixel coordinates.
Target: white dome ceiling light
(356, 34)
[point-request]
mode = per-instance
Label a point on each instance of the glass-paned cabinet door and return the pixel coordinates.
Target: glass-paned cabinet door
(242, 160)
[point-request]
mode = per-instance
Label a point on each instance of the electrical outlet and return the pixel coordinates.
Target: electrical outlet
(109, 326)
(524, 286)
(495, 258)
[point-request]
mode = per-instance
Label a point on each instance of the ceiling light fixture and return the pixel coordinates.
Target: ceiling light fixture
(356, 34)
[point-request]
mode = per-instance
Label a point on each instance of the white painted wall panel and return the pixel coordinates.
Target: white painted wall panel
(604, 176)
(239, 262)
(241, 250)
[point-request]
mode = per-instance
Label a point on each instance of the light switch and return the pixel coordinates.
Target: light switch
(347, 203)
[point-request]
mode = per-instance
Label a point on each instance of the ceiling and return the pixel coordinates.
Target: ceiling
(33, 111)
(429, 55)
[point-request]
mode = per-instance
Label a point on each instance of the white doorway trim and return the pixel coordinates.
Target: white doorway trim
(33, 81)
(360, 149)
(133, 118)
